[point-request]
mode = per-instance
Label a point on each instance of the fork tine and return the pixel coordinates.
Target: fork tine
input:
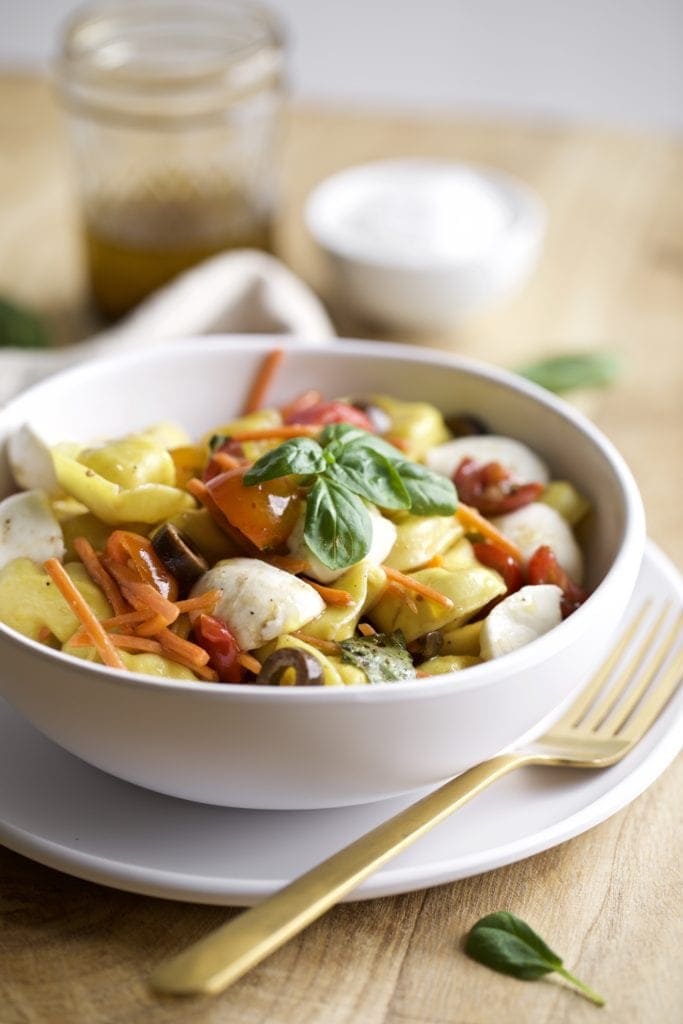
(599, 713)
(639, 711)
(578, 709)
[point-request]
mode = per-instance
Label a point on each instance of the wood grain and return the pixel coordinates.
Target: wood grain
(609, 901)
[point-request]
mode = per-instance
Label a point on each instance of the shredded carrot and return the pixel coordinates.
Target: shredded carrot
(410, 583)
(326, 646)
(289, 563)
(143, 596)
(99, 575)
(365, 629)
(197, 489)
(249, 662)
(403, 595)
(435, 563)
(226, 461)
(125, 640)
(203, 602)
(263, 380)
(331, 595)
(473, 521)
(175, 644)
(99, 637)
(275, 432)
(133, 618)
(302, 402)
(398, 442)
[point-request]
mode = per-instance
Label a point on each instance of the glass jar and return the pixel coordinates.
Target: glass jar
(174, 112)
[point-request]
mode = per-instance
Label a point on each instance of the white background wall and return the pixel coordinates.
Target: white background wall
(616, 62)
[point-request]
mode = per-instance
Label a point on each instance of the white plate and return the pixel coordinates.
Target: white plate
(63, 813)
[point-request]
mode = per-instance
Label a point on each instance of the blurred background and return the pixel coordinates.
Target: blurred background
(617, 62)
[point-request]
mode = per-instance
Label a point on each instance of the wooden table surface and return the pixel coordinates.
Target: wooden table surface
(610, 900)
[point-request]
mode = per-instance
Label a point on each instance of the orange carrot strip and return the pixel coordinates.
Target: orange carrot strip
(204, 601)
(473, 521)
(274, 433)
(225, 460)
(143, 595)
(289, 563)
(263, 380)
(331, 595)
(99, 575)
(435, 562)
(326, 646)
(249, 662)
(197, 489)
(134, 643)
(365, 629)
(175, 644)
(403, 595)
(84, 613)
(420, 588)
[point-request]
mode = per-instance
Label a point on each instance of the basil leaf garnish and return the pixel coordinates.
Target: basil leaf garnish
(346, 467)
(300, 455)
(383, 657)
(430, 493)
(507, 944)
(370, 475)
(574, 370)
(337, 528)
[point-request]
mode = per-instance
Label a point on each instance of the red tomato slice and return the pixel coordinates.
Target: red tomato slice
(331, 412)
(543, 567)
(490, 488)
(215, 637)
(136, 552)
(495, 558)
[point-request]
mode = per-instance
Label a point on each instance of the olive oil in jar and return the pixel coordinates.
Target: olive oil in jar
(135, 245)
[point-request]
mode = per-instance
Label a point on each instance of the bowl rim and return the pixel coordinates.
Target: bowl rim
(526, 210)
(557, 640)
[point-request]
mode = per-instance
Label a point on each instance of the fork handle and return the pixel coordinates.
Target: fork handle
(225, 954)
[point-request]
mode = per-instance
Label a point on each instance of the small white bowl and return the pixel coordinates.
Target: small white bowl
(420, 245)
(305, 747)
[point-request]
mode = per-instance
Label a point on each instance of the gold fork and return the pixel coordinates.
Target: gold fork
(611, 714)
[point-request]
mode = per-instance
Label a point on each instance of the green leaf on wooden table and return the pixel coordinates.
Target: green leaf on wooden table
(507, 944)
(20, 328)
(383, 657)
(573, 371)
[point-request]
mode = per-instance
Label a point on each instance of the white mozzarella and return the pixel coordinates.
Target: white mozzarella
(29, 529)
(519, 619)
(258, 601)
(524, 465)
(383, 540)
(536, 524)
(30, 461)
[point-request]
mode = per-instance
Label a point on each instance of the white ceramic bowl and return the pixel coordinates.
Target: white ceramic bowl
(421, 245)
(252, 746)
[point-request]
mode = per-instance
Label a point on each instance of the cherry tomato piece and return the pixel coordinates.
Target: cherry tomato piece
(331, 412)
(491, 488)
(495, 558)
(543, 567)
(137, 553)
(265, 514)
(215, 637)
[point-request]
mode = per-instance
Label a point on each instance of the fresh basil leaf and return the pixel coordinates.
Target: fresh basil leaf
(20, 328)
(342, 433)
(300, 455)
(217, 441)
(369, 474)
(337, 437)
(507, 944)
(337, 529)
(430, 493)
(572, 371)
(383, 657)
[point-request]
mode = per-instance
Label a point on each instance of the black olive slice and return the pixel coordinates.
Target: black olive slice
(179, 556)
(307, 669)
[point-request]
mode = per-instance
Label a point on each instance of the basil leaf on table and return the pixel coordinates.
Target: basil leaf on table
(20, 328)
(337, 528)
(367, 473)
(572, 371)
(300, 455)
(383, 657)
(507, 944)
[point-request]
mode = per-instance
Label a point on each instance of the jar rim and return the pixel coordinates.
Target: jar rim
(128, 58)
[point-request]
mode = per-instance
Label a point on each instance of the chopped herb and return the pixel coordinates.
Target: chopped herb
(572, 371)
(383, 657)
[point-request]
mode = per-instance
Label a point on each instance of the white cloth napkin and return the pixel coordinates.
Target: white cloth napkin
(240, 292)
